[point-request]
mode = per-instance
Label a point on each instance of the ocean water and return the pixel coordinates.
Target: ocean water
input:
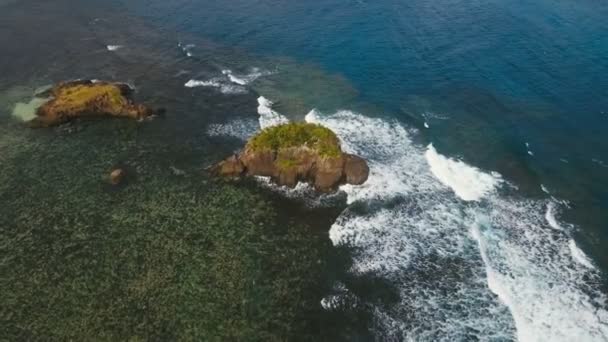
(484, 123)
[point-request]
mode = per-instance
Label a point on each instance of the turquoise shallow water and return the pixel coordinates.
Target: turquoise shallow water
(483, 219)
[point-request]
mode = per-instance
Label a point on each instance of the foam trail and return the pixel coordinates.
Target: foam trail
(578, 255)
(214, 83)
(269, 117)
(196, 83)
(245, 79)
(468, 182)
(550, 216)
(544, 189)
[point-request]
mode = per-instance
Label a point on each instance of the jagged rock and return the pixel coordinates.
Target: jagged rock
(296, 152)
(117, 176)
(70, 100)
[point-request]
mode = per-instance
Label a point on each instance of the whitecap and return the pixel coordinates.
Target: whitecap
(268, 116)
(214, 83)
(550, 216)
(197, 83)
(544, 189)
(468, 182)
(578, 255)
(114, 47)
(253, 75)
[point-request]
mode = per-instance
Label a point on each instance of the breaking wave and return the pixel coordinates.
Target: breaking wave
(468, 263)
(253, 75)
(268, 116)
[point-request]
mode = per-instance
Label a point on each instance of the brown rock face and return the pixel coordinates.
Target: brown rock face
(356, 170)
(231, 167)
(76, 99)
(288, 166)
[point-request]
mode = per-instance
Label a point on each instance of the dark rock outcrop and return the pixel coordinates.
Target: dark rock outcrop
(117, 176)
(296, 152)
(82, 98)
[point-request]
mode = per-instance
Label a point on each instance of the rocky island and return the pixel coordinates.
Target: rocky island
(296, 152)
(86, 98)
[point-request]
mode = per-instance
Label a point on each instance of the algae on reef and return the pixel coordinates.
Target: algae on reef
(71, 100)
(166, 258)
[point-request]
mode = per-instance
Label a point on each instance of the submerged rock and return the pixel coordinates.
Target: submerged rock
(297, 152)
(71, 100)
(117, 176)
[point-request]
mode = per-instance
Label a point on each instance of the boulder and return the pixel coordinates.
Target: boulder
(84, 98)
(296, 152)
(117, 176)
(356, 170)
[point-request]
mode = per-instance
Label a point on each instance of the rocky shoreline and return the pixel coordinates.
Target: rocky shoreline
(296, 152)
(88, 98)
(288, 153)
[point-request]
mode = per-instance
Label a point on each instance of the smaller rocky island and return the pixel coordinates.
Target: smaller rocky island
(86, 98)
(297, 152)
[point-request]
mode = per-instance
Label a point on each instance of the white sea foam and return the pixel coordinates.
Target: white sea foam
(578, 255)
(533, 273)
(245, 79)
(242, 129)
(198, 83)
(303, 192)
(469, 183)
(268, 116)
(550, 216)
(215, 83)
(544, 189)
(464, 270)
(114, 47)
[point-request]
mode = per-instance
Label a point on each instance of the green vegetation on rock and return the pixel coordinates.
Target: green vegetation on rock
(316, 137)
